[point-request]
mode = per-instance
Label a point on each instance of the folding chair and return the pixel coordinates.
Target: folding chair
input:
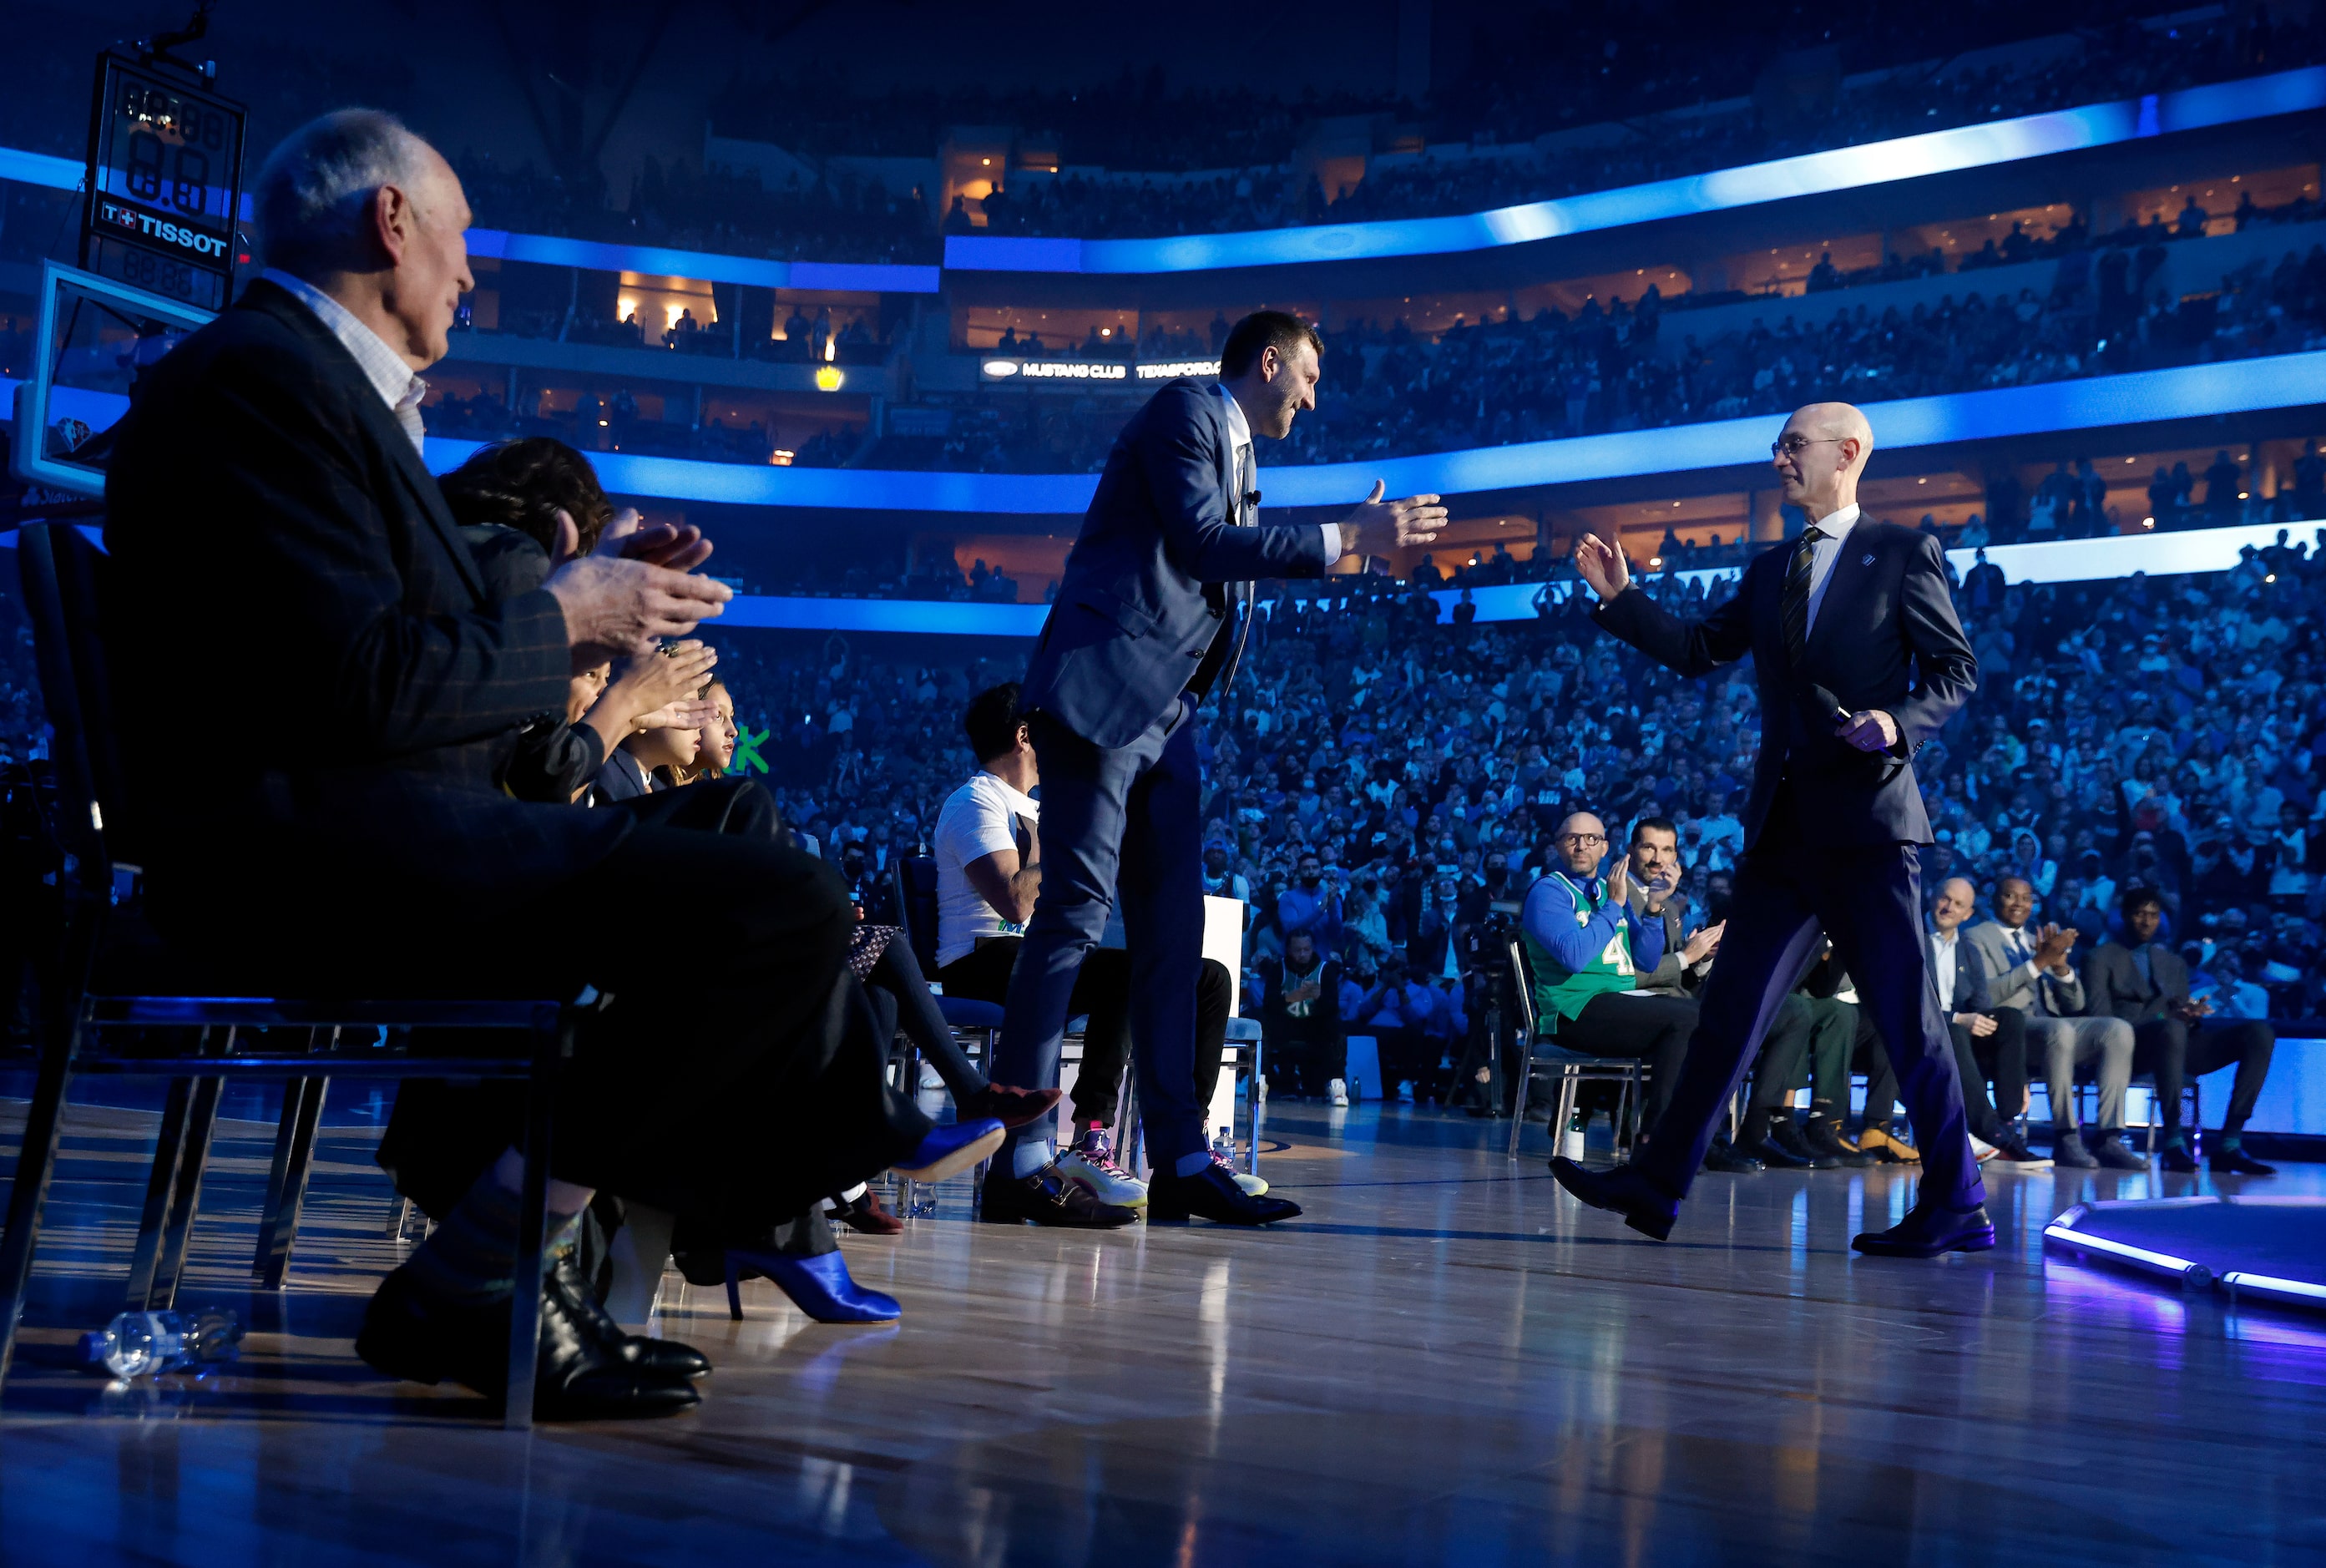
(1574, 1069)
(63, 577)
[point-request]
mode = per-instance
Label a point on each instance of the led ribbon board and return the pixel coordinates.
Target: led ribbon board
(1808, 174)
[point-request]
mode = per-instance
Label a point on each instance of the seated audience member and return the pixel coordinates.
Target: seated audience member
(1986, 1037)
(270, 481)
(1656, 868)
(2145, 983)
(1587, 947)
(1395, 1011)
(988, 851)
(1306, 1047)
(648, 760)
(1808, 1042)
(2029, 970)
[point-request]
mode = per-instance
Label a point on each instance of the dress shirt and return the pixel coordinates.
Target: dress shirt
(398, 385)
(1825, 554)
(1942, 967)
(2140, 962)
(1246, 476)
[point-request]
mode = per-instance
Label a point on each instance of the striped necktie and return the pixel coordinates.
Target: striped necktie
(1796, 617)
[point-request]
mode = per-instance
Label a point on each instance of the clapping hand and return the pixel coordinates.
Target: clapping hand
(1703, 945)
(2052, 946)
(1619, 880)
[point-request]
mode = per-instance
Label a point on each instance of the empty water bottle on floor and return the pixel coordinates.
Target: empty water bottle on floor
(148, 1344)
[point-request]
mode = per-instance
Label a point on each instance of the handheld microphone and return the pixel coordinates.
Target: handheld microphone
(1830, 703)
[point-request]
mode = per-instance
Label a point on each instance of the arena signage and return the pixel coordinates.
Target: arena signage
(163, 178)
(1000, 369)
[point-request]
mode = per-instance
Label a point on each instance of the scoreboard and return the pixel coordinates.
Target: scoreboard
(164, 183)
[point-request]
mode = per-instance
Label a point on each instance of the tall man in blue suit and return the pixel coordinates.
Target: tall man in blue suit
(1151, 614)
(1859, 660)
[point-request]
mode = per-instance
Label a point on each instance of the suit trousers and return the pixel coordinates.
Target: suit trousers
(1788, 895)
(1118, 822)
(2006, 1049)
(1102, 994)
(2065, 1042)
(2175, 1051)
(737, 1076)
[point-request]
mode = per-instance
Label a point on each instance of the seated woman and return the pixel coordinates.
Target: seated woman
(892, 977)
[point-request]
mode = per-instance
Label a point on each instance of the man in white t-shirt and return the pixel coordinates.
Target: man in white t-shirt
(988, 851)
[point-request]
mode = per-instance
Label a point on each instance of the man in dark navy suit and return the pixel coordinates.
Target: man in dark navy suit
(1859, 659)
(1151, 614)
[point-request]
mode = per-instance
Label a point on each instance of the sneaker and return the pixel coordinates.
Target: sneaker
(1786, 1133)
(2113, 1153)
(1252, 1186)
(1823, 1137)
(1336, 1093)
(1090, 1165)
(2068, 1150)
(1981, 1149)
(2014, 1154)
(1888, 1147)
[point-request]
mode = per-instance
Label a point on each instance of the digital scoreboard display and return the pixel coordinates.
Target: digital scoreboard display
(164, 183)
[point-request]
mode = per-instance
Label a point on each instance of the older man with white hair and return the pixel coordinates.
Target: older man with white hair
(1859, 660)
(268, 492)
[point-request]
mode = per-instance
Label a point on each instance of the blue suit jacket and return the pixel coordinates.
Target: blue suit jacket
(1133, 620)
(1970, 976)
(1885, 637)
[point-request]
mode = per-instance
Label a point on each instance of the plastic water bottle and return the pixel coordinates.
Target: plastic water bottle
(919, 1200)
(1570, 1142)
(148, 1344)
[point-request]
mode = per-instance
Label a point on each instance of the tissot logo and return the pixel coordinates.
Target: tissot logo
(160, 228)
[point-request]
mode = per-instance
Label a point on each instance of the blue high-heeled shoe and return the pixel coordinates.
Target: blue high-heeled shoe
(952, 1148)
(819, 1286)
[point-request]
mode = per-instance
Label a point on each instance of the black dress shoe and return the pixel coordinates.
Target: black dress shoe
(408, 1335)
(2237, 1162)
(1926, 1232)
(2177, 1159)
(1213, 1194)
(1722, 1159)
(1822, 1139)
(1048, 1198)
(1786, 1133)
(1622, 1190)
(663, 1358)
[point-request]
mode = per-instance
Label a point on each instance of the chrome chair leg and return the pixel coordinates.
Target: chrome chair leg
(1519, 1105)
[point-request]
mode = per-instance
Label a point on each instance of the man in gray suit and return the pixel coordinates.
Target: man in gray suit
(2145, 983)
(2029, 969)
(1150, 615)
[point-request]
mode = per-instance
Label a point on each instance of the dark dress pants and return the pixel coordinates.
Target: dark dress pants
(1118, 823)
(1655, 1029)
(1101, 994)
(2174, 1051)
(1786, 1051)
(1098, 1082)
(1789, 896)
(737, 1074)
(2004, 1054)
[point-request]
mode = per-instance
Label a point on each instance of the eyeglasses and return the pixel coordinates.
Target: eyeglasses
(1583, 838)
(1791, 446)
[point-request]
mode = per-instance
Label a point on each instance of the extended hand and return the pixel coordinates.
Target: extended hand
(1379, 526)
(1703, 945)
(1602, 567)
(1870, 730)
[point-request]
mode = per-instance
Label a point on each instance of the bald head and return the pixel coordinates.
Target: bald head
(1820, 453)
(1956, 899)
(1581, 840)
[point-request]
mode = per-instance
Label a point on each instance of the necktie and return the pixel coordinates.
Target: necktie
(1796, 610)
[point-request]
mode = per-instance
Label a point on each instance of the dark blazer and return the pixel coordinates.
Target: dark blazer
(1885, 637)
(270, 522)
(1971, 994)
(1140, 603)
(2113, 987)
(620, 777)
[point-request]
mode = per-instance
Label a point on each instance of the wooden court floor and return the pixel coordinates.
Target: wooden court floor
(1444, 1361)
